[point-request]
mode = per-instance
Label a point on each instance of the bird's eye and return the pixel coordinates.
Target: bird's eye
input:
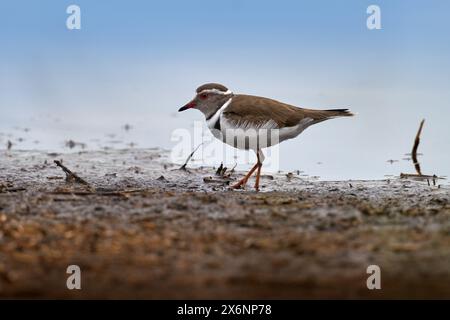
(203, 96)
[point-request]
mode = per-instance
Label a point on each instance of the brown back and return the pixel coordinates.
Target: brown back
(253, 109)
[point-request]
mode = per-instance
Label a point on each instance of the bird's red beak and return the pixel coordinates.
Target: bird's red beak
(190, 105)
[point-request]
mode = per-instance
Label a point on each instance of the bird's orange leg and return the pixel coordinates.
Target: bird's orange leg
(244, 180)
(258, 174)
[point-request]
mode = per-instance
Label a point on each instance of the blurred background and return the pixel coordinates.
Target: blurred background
(119, 81)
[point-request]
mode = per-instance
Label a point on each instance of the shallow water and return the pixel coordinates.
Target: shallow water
(312, 158)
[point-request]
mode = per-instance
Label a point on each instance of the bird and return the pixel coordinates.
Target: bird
(253, 123)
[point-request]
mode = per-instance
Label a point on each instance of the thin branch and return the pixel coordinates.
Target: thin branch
(4, 189)
(221, 170)
(414, 150)
(121, 193)
(183, 167)
(70, 175)
(419, 176)
(232, 169)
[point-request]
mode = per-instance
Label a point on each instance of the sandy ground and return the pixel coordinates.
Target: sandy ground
(149, 231)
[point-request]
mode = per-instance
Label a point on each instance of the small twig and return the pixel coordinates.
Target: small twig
(219, 180)
(99, 193)
(183, 167)
(75, 193)
(419, 175)
(414, 150)
(224, 171)
(54, 178)
(69, 174)
(219, 169)
(5, 189)
(232, 169)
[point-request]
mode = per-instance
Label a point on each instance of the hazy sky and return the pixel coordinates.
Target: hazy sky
(138, 61)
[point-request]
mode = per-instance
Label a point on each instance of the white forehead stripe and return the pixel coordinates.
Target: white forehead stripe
(216, 91)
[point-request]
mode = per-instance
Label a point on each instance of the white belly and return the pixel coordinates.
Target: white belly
(249, 138)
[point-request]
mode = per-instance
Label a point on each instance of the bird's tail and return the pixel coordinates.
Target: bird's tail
(322, 115)
(333, 113)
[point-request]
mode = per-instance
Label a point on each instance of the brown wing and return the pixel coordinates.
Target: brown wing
(258, 111)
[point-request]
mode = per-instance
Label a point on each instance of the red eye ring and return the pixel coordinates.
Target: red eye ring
(203, 96)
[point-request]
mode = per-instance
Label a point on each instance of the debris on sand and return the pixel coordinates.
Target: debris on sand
(183, 167)
(419, 175)
(232, 169)
(72, 144)
(221, 180)
(4, 188)
(70, 176)
(221, 170)
(54, 178)
(222, 177)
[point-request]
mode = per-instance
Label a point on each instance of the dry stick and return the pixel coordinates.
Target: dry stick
(100, 193)
(70, 174)
(419, 174)
(413, 175)
(183, 167)
(11, 189)
(414, 150)
(219, 169)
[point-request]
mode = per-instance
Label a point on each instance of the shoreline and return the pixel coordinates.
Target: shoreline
(148, 231)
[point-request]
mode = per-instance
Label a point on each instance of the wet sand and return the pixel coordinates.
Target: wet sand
(146, 230)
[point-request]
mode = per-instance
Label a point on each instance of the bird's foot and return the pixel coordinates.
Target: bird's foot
(240, 184)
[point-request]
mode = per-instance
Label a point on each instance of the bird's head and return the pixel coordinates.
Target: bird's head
(209, 98)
